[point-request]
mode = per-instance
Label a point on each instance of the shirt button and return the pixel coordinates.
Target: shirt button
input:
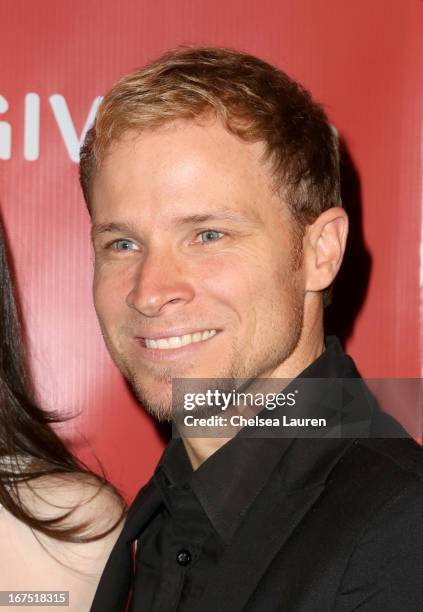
(183, 557)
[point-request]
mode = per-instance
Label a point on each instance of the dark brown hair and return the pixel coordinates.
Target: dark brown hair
(29, 447)
(254, 100)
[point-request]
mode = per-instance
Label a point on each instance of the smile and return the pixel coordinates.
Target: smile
(178, 341)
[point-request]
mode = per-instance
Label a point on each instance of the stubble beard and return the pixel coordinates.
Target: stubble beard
(239, 367)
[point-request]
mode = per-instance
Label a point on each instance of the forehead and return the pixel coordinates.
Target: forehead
(182, 166)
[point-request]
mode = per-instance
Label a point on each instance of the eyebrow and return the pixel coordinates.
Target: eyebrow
(102, 228)
(224, 214)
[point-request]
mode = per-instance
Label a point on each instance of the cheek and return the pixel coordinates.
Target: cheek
(289, 279)
(264, 292)
(239, 289)
(228, 281)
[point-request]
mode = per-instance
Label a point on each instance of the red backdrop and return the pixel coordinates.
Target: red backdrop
(363, 60)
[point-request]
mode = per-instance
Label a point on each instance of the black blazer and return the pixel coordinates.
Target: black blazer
(338, 527)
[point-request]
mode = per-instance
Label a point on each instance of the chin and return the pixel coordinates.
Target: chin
(157, 402)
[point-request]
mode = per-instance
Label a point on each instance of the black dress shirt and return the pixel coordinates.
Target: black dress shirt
(199, 514)
(201, 511)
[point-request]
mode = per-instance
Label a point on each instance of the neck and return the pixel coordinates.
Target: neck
(310, 346)
(200, 449)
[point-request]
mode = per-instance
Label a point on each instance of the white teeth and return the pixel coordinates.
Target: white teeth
(177, 341)
(162, 343)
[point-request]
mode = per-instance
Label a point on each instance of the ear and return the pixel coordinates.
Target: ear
(324, 247)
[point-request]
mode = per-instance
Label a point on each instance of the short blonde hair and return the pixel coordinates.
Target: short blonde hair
(254, 100)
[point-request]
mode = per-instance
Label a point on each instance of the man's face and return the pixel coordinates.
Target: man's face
(195, 273)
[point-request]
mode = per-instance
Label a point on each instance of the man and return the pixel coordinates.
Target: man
(212, 181)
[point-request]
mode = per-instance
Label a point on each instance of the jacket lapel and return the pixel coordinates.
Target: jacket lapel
(289, 494)
(113, 590)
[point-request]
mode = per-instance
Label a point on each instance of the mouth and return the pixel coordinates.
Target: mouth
(166, 343)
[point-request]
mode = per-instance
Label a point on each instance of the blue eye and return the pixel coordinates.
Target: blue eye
(123, 245)
(210, 236)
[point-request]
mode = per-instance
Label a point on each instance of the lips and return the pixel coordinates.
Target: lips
(174, 342)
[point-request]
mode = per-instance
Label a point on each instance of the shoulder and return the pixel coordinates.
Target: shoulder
(82, 499)
(399, 460)
(394, 469)
(376, 476)
(54, 564)
(88, 509)
(384, 568)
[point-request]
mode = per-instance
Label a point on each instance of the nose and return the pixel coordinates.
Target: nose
(161, 284)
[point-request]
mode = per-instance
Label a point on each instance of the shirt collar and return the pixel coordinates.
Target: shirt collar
(227, 483)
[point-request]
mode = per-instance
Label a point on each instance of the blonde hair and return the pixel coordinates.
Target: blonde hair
(254, 100)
